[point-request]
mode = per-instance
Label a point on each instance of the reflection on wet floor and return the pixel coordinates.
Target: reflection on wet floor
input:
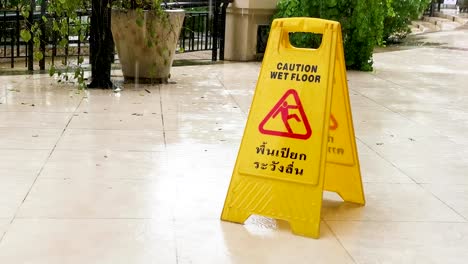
(140, 175)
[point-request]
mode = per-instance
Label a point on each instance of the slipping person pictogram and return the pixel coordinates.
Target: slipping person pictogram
(284, 108)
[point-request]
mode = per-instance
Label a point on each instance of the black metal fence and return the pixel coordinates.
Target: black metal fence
(203, 29)
(433, 7)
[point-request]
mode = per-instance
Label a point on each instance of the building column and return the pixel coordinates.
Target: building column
(243, 17)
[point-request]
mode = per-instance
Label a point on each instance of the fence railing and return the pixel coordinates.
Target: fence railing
(203, 29)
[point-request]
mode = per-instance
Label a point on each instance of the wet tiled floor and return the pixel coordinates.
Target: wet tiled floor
(140, 176)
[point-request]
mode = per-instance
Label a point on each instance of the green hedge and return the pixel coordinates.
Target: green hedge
(365, 24)
(398, 15)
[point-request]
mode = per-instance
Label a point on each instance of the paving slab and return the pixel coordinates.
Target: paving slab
(140, 175)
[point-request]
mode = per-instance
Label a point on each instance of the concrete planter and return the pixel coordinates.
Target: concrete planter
(146, 52)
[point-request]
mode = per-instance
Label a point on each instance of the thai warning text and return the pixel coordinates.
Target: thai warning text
(279, 165)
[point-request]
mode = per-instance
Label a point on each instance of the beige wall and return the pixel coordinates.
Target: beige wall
(255, 4)
(242, 20)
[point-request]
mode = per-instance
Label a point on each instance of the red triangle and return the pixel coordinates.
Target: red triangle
(334, 123)
(282, 109)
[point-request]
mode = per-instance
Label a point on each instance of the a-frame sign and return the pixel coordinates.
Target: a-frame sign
(299, 139)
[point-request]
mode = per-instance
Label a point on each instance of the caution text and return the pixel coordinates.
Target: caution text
(296, 72)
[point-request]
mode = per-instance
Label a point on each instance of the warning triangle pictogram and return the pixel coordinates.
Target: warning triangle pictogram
(292, 122)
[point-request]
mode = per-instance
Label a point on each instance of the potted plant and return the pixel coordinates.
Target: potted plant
(145, 33)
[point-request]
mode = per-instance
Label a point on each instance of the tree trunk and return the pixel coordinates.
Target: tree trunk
(30, 42)
(101, 44)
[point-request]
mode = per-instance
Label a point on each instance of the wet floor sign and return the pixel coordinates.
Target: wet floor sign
(299, 139)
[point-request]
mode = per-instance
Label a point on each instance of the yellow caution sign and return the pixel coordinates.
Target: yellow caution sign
(299, 138)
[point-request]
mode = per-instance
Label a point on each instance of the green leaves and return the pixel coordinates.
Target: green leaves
(140, 17)
(25, 10)
(77, 73)
(63, 13)
(25, 13)
(362, 25)
(139, 21)
(398, 14)
(63, 42)
(38, 55)
(25, 35)
(149, 43)
(52, 70)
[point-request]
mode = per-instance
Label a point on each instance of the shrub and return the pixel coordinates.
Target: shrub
(365, 24)
(398, 15)
(361, 21)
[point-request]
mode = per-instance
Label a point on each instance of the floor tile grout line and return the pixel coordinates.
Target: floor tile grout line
(26, 127)
(395, 221)
(217, 218)
(340, 242)
(96, 149)
(162, 115)
(232, 97)
(38, 112)
(91, 218)
(398, 113)
(6, 230)
(415, 182)
(110, 129)
(173, 217)
(174, 231)
(38, 149)
(105, 129)
(420, 183)
(444, 203)
(382, 157)
(40, 171)
(46, 160)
